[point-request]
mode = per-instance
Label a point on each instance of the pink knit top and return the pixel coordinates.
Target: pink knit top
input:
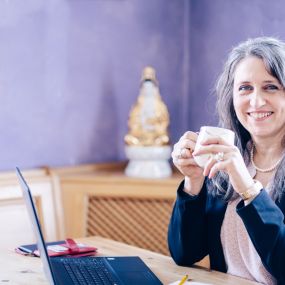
(240, 255)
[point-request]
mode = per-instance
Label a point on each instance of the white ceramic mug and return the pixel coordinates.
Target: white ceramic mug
(208, 132)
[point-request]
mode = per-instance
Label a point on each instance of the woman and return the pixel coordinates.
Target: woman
(233, 209)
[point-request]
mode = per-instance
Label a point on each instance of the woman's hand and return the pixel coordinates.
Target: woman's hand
(184, 161)
(225, 158)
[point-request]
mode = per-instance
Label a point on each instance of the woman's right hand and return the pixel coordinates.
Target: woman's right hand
(183, 159)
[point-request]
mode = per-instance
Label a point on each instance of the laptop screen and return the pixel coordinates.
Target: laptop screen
(36, 226)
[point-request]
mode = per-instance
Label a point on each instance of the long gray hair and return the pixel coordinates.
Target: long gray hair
(272, 52)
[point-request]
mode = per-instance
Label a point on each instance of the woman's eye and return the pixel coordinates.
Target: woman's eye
(271, 87)
(245, 88)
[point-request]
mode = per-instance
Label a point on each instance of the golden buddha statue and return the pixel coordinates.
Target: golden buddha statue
(149, 118)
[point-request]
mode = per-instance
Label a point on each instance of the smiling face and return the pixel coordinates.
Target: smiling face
(259, 100)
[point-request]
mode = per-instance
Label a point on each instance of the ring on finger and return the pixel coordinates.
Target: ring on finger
(181, 153)
(219, 156)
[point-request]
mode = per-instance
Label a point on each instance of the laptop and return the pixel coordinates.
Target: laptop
(114, 270)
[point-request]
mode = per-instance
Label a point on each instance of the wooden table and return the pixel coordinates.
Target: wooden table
(17, 269)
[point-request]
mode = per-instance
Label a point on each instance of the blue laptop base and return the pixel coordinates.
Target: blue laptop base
(121, 270)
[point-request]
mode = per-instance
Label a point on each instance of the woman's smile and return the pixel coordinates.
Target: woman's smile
(260, 116)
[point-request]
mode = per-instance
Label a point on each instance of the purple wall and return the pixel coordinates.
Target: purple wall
(70, 72)
(70, 69)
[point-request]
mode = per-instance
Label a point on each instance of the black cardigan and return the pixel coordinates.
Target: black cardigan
(195, 226)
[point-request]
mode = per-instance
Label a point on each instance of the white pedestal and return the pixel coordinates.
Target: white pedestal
(148, 161)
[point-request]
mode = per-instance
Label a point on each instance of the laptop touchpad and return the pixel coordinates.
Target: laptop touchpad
(137, 277)
(132, 270)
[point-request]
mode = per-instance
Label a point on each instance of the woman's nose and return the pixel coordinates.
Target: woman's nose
(257, 100)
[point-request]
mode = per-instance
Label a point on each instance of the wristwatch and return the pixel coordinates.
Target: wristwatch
(252, 191)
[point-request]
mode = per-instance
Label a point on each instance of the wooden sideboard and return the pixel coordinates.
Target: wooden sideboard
(101, 200)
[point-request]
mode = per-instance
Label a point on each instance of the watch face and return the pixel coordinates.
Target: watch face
(252, 191)
(246, 195)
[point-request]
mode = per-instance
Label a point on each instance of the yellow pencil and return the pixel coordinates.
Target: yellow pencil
(183, 280)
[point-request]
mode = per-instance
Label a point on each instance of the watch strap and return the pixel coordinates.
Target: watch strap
(252, 191)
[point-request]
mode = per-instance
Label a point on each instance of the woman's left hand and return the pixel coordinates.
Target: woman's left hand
(225, 158)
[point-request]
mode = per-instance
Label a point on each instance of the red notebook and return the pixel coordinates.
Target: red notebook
(59, 248)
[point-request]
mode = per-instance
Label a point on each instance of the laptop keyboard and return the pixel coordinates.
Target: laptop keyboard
(88, 271)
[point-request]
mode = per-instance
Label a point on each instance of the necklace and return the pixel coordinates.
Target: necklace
(273, 167)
